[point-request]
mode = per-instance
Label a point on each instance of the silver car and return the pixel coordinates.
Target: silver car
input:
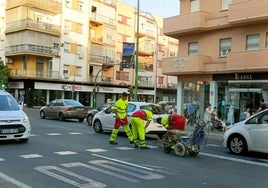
(14, 123)
(64, 109)
(104, 120)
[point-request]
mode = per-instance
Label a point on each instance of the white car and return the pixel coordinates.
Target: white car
(14, 123)
(104, 120)
(248, 135)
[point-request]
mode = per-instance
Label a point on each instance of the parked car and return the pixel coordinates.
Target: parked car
(64, 109)
(248, 135)
(166, 105)
(104, 120)
(14, 123)
(93, 112)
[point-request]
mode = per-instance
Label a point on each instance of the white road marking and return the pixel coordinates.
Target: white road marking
(33, 135)
(65, 153)
(96, 150)
(1, 159)
(214, 145)
(89, 183)
(53, 134)
(31, 156)
(234, 159)
(75, 133)
(123, 162)
(125, 148)
(13, 181)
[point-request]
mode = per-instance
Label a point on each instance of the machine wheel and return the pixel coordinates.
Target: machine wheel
(42, 114)
(194, 150)
(167, 148)
(180, 149)
(97, 126)
(237, 144)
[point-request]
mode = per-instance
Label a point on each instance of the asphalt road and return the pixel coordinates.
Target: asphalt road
(70, 154)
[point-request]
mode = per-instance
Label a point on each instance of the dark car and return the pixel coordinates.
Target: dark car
(93, 112)
(64, 109)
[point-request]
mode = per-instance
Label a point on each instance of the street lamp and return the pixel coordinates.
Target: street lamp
(155, 53)
(137, 53)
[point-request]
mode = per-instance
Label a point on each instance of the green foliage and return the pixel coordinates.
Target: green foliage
(4, 74)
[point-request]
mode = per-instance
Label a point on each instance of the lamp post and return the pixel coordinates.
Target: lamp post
(137, 53)
(155, 53)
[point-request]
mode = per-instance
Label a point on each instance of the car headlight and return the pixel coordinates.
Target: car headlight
(26, 119)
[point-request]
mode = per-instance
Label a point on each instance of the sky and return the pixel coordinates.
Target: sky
(163, 8)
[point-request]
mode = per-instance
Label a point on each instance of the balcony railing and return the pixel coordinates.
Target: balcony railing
(30, 73)
(102, 19)
(29, 23)
(101, 59)
(29, 48)
(53, 6)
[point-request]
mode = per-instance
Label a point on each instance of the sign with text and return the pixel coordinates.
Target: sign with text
(128, 55)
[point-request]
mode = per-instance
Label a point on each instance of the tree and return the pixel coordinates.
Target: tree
(4, 74)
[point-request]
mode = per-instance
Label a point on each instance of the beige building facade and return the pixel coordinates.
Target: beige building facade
(222, 55)
(73, 49)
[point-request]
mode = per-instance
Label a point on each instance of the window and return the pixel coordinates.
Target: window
(67, 47)
(195, 4)
(193, 48)
(79, 71)
(225, 46)
(68, 3)
(80, 6)
(79, 28)
(253, 42)
(266, 40)
(225, 4)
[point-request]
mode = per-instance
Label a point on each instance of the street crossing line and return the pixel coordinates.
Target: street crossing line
(65, 153)
(31, 156)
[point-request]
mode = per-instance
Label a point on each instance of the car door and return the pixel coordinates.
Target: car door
(258, 132)
(49, 108)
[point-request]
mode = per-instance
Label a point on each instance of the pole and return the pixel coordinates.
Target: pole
(137, 53)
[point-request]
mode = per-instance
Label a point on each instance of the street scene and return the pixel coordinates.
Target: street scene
(70, 154)
(133, 93)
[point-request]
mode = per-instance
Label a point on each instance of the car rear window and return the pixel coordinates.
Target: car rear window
(8, 103)
(72, 103)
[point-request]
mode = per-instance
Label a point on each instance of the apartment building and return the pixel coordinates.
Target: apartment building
(222, 54)
(73, 49)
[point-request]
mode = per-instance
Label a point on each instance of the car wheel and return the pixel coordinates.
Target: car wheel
(42, 114)
(89, 119)
(97, 126)
(81, 120)
(237, 144)
(61, 116)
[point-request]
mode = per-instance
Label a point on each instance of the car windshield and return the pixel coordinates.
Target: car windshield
(72, 103)
(8, 103)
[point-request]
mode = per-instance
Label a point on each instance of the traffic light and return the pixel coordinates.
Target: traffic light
(131, 91)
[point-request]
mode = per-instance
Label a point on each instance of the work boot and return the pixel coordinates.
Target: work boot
(113, 142)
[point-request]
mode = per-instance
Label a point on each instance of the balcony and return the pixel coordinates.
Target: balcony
(34, 25)
(32, 73)
(94, 58)
(99, 19)
(188, 65)
(28, 49)
(185, 24)
(253, 11)
(47, 5)
(247, 61)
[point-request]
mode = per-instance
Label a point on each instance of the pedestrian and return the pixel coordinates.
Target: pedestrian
(120, 108)
(21, 101)
(245, 114)
(208, 113)
(191, 113)
(137, 121)
(262, 105)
